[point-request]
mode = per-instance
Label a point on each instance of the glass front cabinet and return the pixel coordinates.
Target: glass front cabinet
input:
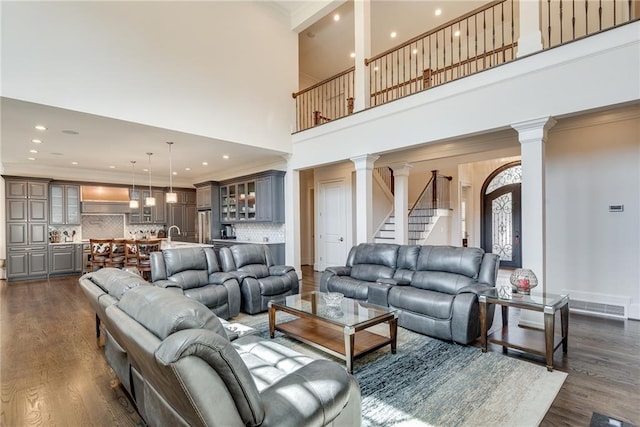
(258, 198)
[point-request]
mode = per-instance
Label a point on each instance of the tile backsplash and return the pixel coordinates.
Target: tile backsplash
(274, 233)
(103, 226)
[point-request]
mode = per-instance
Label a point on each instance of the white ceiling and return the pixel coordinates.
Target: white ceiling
(102, 142)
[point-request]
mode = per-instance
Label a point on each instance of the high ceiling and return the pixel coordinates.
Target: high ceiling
(100, 142)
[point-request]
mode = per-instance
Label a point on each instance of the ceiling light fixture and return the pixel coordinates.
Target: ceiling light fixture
(393, 34)
(225, 156)
(33, 151)
(353, 54)
(438, 12)
(205, 164)
(40, 127)
(133, 200)
(171, 197)
(74, 163)
(31, 158)
(36, 141)
(336, 17)
(112, 167)
(414, 51)
(457, 33)
(149, 201)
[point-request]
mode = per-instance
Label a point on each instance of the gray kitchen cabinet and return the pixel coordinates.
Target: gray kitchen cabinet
(183, 215)
(203, 197)
(62, 259)
(64, 202)
(158, 212)
(78, 262)
(147, 214)
(257, 197)
(27, 233)
(27, 262)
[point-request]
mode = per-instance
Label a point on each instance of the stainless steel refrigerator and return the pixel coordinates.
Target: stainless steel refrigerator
(204, 227)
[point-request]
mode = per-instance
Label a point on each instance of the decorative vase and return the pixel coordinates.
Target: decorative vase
(523, 280)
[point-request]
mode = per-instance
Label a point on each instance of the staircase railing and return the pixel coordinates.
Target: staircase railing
(434, 195)
(386, 175)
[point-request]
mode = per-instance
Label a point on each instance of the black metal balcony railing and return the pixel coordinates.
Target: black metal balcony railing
(476, 41)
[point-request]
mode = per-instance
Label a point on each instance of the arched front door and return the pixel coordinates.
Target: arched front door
(501, 218)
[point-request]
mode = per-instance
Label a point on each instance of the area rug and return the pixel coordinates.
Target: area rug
(429, 382)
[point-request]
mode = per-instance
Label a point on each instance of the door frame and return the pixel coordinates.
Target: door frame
(484, 232)
(320, 251)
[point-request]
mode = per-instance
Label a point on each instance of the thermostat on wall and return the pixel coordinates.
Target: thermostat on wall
(616, 208)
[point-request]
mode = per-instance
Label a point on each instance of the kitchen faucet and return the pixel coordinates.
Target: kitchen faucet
(169, 232)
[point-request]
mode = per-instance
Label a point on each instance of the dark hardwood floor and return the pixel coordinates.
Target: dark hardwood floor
(53, 371)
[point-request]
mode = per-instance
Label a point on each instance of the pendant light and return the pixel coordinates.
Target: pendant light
(150, 201)
(133, 203)
(171, 197)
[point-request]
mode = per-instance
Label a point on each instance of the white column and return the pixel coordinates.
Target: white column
(364, 195)
(362, 29)
(532, 135)
(292, 217)
(401, 201)
(530, 40)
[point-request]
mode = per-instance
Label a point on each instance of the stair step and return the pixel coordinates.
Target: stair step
(383, 240)
(388, 234)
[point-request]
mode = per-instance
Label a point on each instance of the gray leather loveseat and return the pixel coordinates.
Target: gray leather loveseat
(260, 279)
(196, 273)
(433, 288)
(185, 371)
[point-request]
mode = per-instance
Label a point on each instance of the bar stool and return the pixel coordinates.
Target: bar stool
(145, 247)
(117, 256)
(100, 252)
(131, 253)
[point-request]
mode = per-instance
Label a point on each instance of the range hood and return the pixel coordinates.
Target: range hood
(99, 199)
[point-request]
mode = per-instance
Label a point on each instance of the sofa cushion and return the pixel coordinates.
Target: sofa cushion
(440, 281)
(371, 272)
(383, 254)
(248, 254)
(426, 303)
(184, 259)
(163, 312)
(349, 287)
(257, 270)
(465, 261)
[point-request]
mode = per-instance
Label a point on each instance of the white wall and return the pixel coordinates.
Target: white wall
(222, 69)
(593, 162)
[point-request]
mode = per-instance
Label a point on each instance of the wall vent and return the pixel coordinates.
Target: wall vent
(608, 310)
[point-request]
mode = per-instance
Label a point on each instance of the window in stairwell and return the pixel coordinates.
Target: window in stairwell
(501, 222)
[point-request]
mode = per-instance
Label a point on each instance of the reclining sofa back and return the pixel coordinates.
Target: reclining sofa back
(196, 273)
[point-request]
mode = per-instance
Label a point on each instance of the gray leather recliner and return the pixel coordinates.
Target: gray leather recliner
(196, 273)
(185, 371)
(260, 280)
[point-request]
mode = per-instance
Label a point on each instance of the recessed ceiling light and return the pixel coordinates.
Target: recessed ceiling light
(175, 173)
(31, 158)
(457, 33)
(375, 68)
(336, 17)
(205, 164)
(353, 54)
(33, 151)
(74, 163)
(393, 34)
(40, 127)
(36, 141)
(187, 169)
(438, 12)
(414, 51)
(70, 132)
(112, 167)
(145, 170)
(225, 156)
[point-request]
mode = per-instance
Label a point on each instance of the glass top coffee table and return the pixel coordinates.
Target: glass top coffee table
(338, 330)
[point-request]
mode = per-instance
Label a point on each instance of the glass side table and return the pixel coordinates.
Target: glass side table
(530, 340)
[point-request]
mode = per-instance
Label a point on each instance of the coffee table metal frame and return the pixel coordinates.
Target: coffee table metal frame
(541, 342)
(322, 327)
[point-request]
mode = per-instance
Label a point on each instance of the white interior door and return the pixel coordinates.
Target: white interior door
(332, 225)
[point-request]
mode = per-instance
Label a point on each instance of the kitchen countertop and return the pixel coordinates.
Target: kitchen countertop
(68, 243)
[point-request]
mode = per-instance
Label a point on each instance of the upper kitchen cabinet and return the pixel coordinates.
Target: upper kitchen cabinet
(203, 196)
(258, 197)
(64, 202)
(148, 214)
(22, 189)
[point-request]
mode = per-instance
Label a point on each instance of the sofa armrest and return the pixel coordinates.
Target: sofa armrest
(219, 278)
(379, 292)
(166, 284)
(339, 271)
(327, 390)
(474, 289)
(280, 270)
(241, 275)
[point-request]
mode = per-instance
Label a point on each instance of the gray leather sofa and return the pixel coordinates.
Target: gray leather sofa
(185, 371)
(260, 280)
(196, 272)
(433, 288)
